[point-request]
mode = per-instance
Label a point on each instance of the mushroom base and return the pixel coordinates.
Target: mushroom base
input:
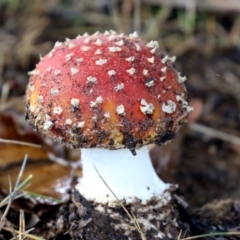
(129, 177)
(157, 219)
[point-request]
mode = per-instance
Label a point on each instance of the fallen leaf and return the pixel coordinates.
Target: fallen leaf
(49, 178)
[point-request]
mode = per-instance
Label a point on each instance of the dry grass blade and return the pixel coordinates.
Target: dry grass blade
(3, 217)
(115, 16)
(20, 174)
(18, 186)
(131, 215)
(40, 196)
(21, 225)
(207, 235)
(137, 15)
(21, 186)
(19, 143)
(12, 194)
(22, 233)
(212, 235)
(180, 234)
(13, 232)
(26, 234)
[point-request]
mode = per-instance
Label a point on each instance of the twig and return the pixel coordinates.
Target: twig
(10, 103)
(131, 215)
(211, 5)
(63, 162)
(19, 143)
(214, 133)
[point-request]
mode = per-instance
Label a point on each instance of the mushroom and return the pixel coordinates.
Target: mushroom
(107, 94)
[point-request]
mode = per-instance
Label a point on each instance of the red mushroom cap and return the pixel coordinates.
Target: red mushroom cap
(106, 90)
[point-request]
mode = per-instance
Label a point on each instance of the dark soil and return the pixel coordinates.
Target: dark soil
(209, 168)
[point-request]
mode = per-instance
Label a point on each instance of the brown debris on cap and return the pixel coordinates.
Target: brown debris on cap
(108, 91)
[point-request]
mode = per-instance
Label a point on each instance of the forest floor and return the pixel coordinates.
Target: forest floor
(204, 162)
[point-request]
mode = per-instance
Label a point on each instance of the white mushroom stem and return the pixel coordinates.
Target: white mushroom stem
(128, 176)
